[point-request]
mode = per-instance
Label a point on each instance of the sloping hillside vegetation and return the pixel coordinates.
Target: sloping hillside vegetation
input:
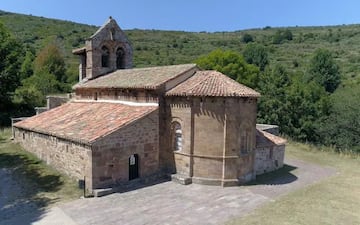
(308, 76)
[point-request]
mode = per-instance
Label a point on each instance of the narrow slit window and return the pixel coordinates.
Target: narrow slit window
(177, 137)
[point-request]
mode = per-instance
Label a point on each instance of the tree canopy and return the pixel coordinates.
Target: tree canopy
(48, 78)
(11, 52)
(324, 70)
(256, 54)
(231, 64)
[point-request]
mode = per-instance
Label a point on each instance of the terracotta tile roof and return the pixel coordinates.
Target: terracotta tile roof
(84, 122)
(150, 77)
(265, 139)
(211, 83)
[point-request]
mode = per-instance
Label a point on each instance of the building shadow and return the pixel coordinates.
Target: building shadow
(277, 177)
(20, 183)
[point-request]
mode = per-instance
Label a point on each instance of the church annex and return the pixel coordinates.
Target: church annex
(125, 124)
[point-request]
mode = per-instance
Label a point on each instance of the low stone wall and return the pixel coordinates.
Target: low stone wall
(55, 101)
(268, 159)
(68, 157)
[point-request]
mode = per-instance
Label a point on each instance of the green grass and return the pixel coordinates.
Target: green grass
(335, 200)
(40, 182)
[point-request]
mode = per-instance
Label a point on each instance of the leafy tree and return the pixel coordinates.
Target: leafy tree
(287, 34)
(256, 54)
(35, 88)
(48, 78)
(288, 102)
(281, 36)
(306, 104)
(11, 52)
(246, 38)
(324, 70)
(50, 60)
(342, 127)
(272, 103)
(27, 66)
(232, 64)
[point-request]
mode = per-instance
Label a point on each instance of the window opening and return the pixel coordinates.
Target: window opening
(120, 58)
(105, 57)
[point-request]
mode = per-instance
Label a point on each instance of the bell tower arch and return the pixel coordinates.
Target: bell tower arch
(107, 50)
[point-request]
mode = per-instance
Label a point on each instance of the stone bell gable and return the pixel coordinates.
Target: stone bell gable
(105, 51)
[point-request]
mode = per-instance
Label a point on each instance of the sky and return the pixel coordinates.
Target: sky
(194, 15)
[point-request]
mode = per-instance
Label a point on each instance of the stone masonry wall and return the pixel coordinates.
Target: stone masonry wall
(68, 157)
(211, 139)
(111, 153)
(241, 122)
(268, 159)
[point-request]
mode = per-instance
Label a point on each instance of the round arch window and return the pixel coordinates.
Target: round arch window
(177, 136)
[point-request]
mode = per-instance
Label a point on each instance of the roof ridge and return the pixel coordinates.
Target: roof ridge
(212, 83)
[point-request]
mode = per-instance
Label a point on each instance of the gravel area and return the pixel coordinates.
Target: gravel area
(164, 203)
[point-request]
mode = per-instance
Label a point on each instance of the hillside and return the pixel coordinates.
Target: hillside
(303, 108)
(154, 47)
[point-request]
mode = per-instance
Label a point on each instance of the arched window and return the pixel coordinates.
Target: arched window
(177, 136)
(105, 57)
(120, 58)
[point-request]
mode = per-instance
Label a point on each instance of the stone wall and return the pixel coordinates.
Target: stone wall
(269, 158)
(111, 153)
(71, 158)
(55, 101)
(240, 138)
(113, 38)
(211, 130)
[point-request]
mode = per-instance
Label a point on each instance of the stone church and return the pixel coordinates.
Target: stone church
(125, 124)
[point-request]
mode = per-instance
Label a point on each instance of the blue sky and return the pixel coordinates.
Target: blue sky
(194, 15)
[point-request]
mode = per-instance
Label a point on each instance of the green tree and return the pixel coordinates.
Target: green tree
(27, 66)
(35, 88)
(256, 54)
(280, 36)
(273, 85)
(324, 70)
(48, 78)
(50, 60)
(306, 104)
(232, 64)
(287, 34)
(290, 103)
(246, 38)
(11, 52)
(341, 128)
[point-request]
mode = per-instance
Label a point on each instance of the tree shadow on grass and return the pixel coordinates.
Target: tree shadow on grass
(21, 181)
(277, 177)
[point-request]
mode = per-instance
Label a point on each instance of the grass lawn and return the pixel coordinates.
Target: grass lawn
(38, 182)
(335, 200)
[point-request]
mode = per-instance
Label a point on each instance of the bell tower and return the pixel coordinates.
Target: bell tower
(107, 50)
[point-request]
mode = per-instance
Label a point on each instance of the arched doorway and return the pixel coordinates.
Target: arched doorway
(133, 166)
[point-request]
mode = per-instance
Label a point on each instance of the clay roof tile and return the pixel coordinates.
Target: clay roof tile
(212, 83)
(84, 122)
